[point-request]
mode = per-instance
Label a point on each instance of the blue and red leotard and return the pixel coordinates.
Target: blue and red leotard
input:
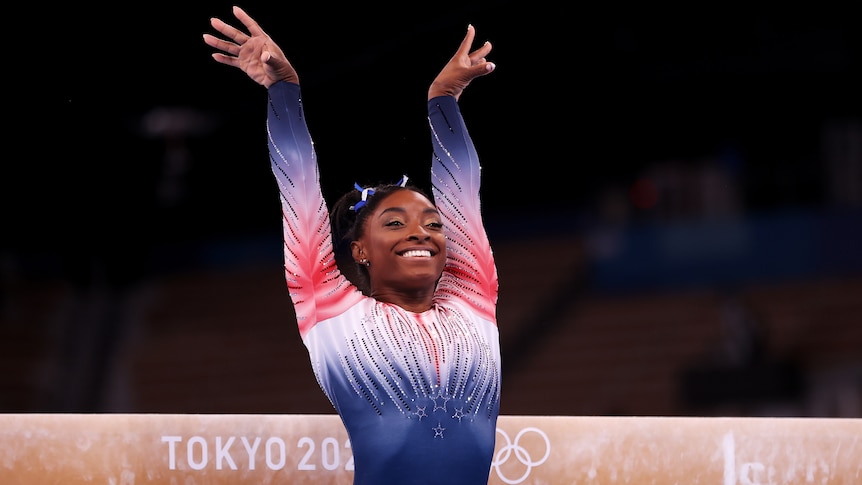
(418, 393)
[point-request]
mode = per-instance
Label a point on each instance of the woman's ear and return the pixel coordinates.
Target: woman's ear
(356, 251)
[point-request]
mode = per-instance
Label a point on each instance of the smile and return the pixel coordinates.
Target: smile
(416, 253)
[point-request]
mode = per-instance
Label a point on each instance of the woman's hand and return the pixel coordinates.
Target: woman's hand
(255, 53)
(462, 68)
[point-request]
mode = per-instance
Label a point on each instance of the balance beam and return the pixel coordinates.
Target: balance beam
(134, 449)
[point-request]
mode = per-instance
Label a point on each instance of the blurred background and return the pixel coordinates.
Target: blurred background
(674, 198)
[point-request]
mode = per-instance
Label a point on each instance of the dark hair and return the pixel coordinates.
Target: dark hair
(348, 225)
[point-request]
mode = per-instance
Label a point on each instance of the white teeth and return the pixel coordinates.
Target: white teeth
(417, 254)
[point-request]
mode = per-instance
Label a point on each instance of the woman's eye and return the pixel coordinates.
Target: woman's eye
(436, 225)
(394, 223)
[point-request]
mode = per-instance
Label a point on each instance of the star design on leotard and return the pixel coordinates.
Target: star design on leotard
(437, 404)
(420, 411)
(459, 413)
(438, 431)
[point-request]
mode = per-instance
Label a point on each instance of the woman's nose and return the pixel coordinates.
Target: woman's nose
(419, 232)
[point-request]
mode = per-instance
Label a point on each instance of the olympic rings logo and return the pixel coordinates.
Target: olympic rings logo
(521, 454)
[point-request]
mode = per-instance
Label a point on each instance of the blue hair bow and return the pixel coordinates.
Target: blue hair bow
(365, 193)
(368, 192)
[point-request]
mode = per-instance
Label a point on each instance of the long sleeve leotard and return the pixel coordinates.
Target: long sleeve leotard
(418, 393)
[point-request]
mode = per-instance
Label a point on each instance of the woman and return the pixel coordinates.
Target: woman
(395, 294)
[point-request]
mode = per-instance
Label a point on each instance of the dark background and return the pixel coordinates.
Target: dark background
(136, 151)
(583, 99)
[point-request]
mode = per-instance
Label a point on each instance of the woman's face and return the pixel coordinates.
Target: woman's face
(404, 243)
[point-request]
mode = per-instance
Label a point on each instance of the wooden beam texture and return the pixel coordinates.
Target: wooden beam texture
(128, 449)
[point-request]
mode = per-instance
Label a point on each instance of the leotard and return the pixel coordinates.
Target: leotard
(418, 393)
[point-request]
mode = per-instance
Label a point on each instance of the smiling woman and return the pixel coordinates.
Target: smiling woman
(394, 233)
(395, 294)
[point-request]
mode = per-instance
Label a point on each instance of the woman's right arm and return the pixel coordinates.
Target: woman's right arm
(316, 288)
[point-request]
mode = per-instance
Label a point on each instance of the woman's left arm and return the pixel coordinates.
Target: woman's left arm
(470, 274)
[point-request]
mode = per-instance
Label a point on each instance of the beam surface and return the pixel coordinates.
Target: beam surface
(127, 449)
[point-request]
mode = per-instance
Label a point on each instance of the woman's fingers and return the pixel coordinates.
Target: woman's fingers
(221, 44)
(229, 31)
(250, 23)
(467, 42)
(479, 54)
(227, 60)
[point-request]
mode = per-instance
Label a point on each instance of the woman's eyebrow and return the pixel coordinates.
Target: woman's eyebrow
(428, 210)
